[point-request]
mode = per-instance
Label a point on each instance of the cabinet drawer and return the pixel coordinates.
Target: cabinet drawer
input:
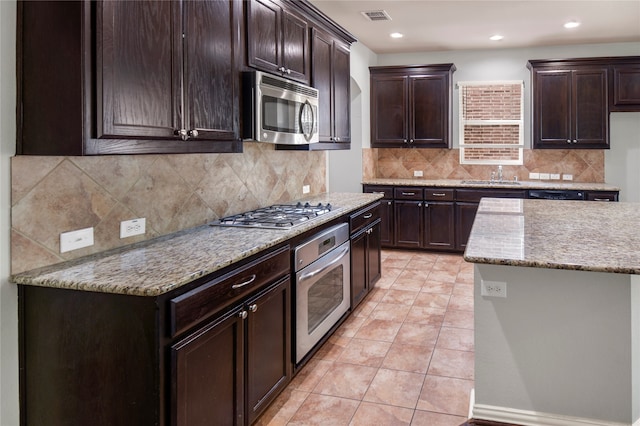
(474, 195)
(408, 193)
(213, 296)
(437, 194)
(602, 196)
(374, 189)
(364, 217)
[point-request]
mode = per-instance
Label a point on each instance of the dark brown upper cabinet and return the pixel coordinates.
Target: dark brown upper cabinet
(277, 40)
(570, 107)
(118, 77)
(625, 84)
(572, 99)
(411, 106)
(330, 72)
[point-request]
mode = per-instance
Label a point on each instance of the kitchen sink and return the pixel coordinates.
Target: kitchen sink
(491, 182)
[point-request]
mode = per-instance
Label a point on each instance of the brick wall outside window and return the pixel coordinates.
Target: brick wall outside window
(491, 120)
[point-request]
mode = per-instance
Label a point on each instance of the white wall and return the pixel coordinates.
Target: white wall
(345, 167)
(622, 161)
(8, 292)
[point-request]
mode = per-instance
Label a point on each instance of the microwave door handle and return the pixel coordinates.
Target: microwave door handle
(312, 274)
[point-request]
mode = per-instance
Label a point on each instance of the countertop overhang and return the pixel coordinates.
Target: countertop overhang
(465, 183)
(157, 266)
(574, 235)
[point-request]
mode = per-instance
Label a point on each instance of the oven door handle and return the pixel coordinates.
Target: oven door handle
(341, 254)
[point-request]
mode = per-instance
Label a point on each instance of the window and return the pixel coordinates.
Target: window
(491, 122)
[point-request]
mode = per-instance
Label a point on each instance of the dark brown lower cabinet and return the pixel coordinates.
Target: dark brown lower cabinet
(386, 223)
(438, 226)
(208, 374)
(408, 224)
(465, 215)
(365, 262)
(180, 358)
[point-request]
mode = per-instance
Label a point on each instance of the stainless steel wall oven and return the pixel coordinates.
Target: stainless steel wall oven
(322, 286)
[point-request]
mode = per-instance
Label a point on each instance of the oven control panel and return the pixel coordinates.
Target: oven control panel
(319, 244)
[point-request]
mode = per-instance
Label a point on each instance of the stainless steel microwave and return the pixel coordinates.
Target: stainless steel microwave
(277, 110)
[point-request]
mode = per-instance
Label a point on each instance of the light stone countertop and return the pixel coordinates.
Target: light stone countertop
(163, 264)
(575, 235)
(523, 184)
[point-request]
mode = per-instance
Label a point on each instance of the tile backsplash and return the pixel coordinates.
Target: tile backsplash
(51, 195)
(586, 165)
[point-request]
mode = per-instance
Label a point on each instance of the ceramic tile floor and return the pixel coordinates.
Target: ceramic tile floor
(404, 357)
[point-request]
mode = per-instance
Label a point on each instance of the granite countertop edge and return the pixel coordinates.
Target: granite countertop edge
(552, 265)
(463, 183)
(142, 269)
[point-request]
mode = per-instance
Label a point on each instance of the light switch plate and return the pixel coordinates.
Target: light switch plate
(534, 175)
(554, 176)
(567, 176)
(74, 240)
(417, 173)
(306, 189)
(544, 176)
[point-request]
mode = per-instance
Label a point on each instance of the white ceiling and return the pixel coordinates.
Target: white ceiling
(432, 25)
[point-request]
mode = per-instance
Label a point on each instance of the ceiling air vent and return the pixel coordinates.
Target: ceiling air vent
(376, 15)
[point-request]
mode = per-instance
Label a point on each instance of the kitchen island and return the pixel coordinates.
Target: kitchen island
(557, 312)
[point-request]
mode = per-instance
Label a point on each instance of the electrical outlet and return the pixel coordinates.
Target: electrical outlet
(544, 176)
(567, 176)
(534, 175)
(493, 288)
(76, 239)
(417, 173)
(554, 176)
(306, 189)
(129, 228)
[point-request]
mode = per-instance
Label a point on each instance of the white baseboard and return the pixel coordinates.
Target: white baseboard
(534, 418)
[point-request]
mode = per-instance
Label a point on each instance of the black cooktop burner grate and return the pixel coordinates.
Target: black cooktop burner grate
(279, 216)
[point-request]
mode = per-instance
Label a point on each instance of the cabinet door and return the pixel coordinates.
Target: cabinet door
(207, 375)
(264, 35)
(408, 224)
(139, 64)
(322, 46)
(465, 215)
(374, 264)
(388, 111)
(295, 47)
(439, 226)
(626, 88)
(428, 106)
(358, 268)
(268, 346)
(552, 109)
(211, 60)
(386, 223)
(591, 116)
(341, 113)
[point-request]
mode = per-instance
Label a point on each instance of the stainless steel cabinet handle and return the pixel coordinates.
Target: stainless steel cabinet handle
(337, 139)
(419, 204)
(183, 134)
(410, 140)
(378, 192)
(243, 314)
(247, 282)
(388, 203)
(568, 140)
(408, 193)
(253, 307)
(312, 274)
(575, 141)
(367, 216)
(288, 71)
(601, 199)
(193, 133)
(438, 194)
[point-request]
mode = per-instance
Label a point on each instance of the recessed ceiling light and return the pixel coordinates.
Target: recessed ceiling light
(496, 37)
(572, 24)
(396, 35)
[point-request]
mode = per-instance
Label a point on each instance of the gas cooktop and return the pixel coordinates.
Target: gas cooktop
(278, 216)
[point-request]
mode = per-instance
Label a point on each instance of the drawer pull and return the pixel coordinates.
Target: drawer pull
(378, 192)
(438, 194)
(368, 216)
(408, 193)
(601, 199)
(247, 282)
